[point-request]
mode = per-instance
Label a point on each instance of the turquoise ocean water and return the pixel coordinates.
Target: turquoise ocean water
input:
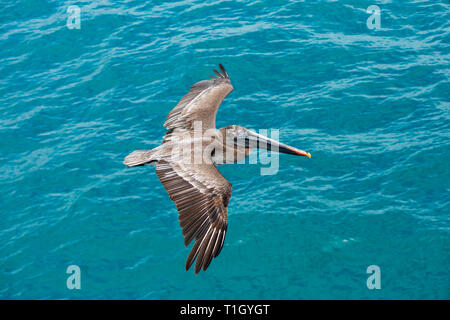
(372, 107)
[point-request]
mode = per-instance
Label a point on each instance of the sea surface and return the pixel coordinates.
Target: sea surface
(370, 104)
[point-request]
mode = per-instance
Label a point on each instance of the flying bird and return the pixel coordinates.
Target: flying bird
(186, 164)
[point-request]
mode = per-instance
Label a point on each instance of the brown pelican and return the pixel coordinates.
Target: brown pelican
(199, 190)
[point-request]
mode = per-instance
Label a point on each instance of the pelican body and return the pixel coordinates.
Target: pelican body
(186, 165)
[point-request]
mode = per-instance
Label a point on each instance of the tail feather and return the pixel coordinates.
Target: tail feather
(139, 158)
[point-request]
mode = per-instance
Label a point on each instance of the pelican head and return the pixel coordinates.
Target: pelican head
(242, 138)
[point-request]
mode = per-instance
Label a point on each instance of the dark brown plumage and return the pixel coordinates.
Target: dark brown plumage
(201, 195)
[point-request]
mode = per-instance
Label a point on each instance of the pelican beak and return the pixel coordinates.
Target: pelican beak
(291, 150)
(254, 140)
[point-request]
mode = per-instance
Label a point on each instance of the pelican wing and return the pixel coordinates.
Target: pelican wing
(199, 104)
(201, 195)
